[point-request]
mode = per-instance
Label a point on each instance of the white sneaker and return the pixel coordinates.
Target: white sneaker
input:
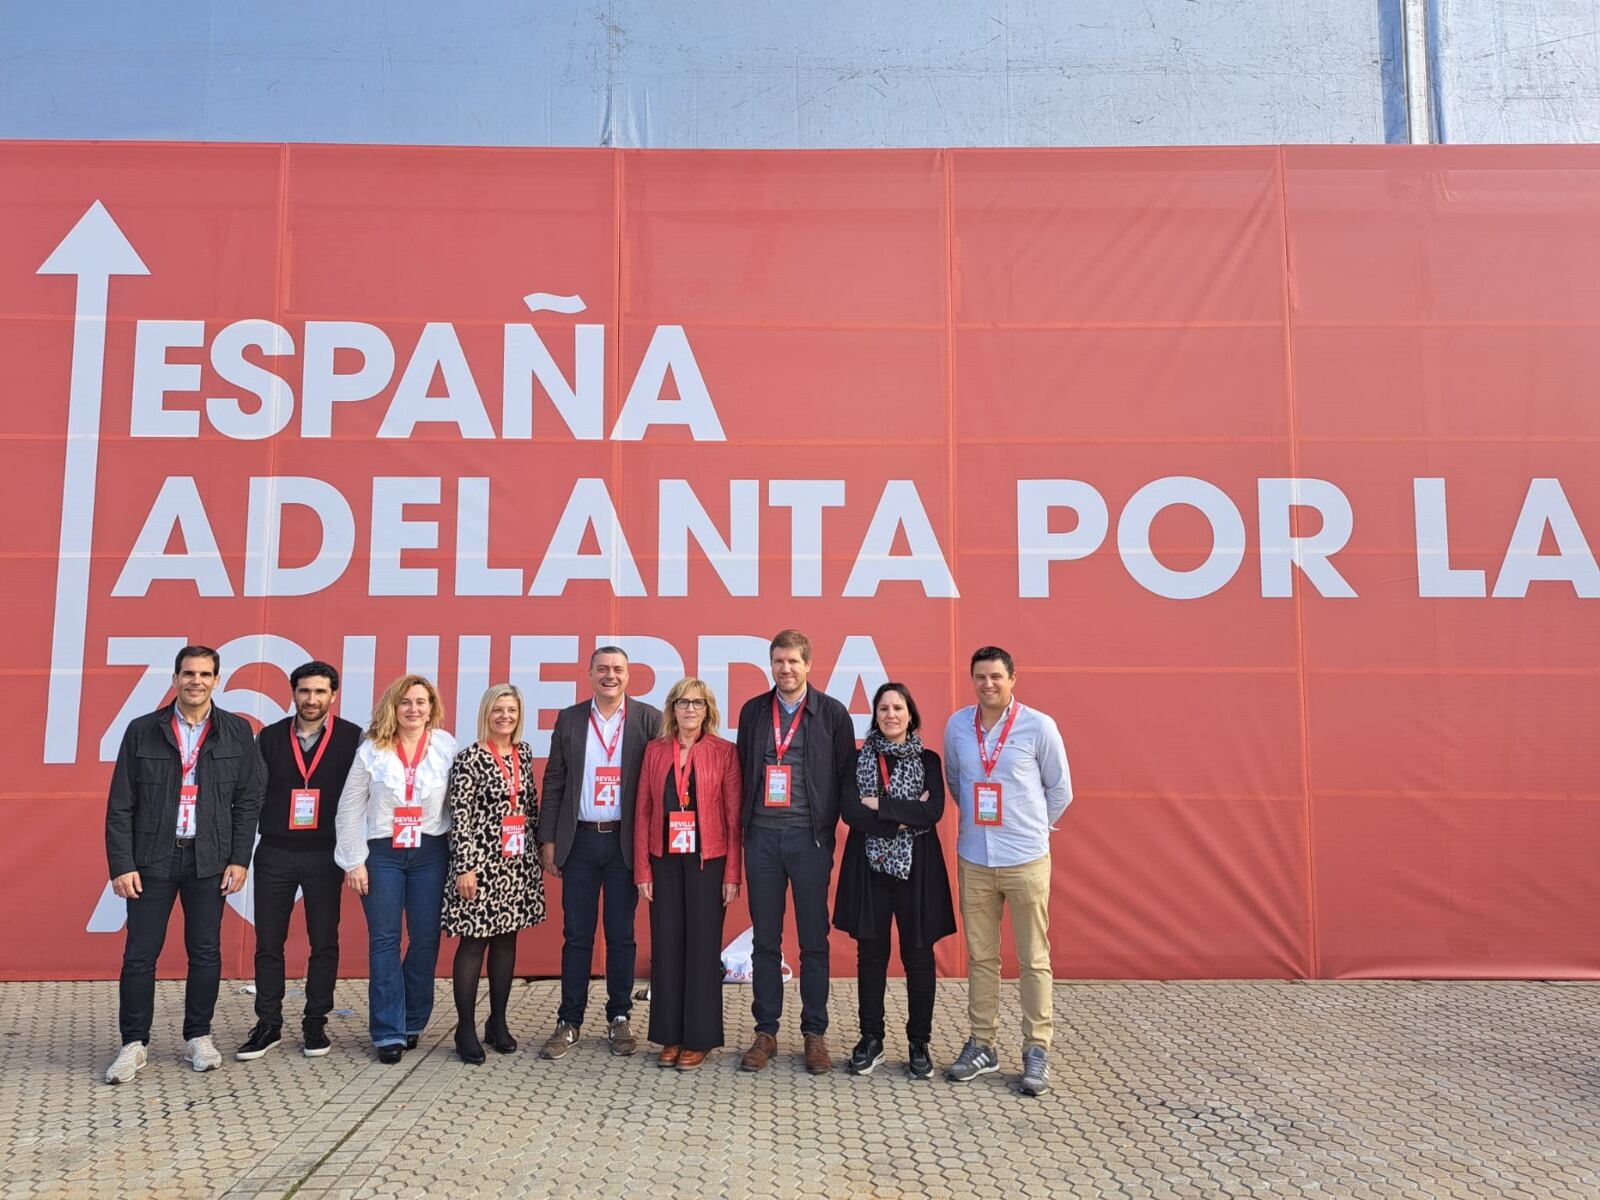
(129, 1060)
(200, 1054)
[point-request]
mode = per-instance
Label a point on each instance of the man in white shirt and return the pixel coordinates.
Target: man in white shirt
(1007, 768)
(586, 841)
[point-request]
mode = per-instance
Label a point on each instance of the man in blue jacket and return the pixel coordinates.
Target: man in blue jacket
(180, 825)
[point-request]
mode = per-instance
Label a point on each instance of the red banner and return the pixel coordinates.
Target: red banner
(1273, 468)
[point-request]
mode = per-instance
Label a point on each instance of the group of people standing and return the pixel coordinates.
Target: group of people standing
(438, 839)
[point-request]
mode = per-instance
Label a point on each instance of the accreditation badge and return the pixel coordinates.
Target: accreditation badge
(303, 806)
(407, 827)
(986, 806)
(513, 835)
(778, 786)
(608, 789)
(188, 798)
(680, 833)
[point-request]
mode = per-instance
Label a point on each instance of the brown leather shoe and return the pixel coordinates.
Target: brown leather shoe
(669, 1056)
(818, 1060)
(760, 1053)
(690, 1059)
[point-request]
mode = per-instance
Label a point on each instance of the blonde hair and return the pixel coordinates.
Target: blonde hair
(669, 718)
(385, 724)
(490, 699)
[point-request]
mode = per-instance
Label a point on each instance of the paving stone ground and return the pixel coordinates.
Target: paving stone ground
(1160, 1090)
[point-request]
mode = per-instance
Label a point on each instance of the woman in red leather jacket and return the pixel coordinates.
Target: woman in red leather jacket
(687, 856)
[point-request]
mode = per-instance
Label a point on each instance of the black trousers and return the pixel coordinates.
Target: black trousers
(279, 872)
(595, 870)
(778, 860)
(892, 897)
(686, 952)
(148, 915)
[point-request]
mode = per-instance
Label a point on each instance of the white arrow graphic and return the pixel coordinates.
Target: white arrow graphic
(94, 251)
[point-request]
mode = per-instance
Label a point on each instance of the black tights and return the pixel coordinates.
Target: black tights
(502, 950)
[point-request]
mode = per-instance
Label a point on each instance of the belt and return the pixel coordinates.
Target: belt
(601, 826)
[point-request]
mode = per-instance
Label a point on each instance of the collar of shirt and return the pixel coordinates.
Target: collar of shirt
(204, 717)
(993, 731)
(605, 721)
(309, 738)
(790, 708)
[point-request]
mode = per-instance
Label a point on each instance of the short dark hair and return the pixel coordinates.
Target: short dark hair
(313, 668)
(915, 723)
(197, 652)
(599, 650)
(992, 654)
(791, 639)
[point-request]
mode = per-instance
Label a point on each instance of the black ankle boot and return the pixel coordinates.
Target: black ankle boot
(498, 1036)
(468, 1046)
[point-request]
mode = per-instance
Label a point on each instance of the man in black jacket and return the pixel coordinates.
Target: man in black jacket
(307, 756)
(797, 750)
(180, 825)
(586, 840)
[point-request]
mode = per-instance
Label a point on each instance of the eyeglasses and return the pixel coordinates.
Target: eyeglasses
(685, 702)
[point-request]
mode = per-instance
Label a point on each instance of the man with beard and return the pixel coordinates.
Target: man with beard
(308, 756)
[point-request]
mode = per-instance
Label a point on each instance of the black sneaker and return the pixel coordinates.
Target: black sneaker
(411, 1041)
(921, 1064)
(314, 1037)
(867, 1055)
(262, 1038)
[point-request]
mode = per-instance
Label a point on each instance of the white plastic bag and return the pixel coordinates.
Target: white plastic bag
(736, 966)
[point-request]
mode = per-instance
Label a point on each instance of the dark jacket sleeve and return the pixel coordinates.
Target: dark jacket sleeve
(844, 759)
(918, 814)
(744, 748)
(652, 724)
(555, 783)
(247, 794)
(119, 810)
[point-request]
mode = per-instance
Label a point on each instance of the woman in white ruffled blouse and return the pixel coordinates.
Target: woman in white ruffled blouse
(393, 824)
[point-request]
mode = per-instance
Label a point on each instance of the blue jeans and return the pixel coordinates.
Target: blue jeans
(595, 869)
(409, 884)
(779, 860)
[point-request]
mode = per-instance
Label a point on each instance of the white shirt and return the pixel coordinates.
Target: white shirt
(377, 783)
(1032, 772)
(594, 755)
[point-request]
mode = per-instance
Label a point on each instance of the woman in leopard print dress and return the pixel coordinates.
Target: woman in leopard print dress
(496, 886)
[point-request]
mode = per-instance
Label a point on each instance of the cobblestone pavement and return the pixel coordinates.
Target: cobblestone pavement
(1160, 1090)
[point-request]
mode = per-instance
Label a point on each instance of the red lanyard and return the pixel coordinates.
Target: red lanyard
(977, 728)
(411, 765)
(300, 759)
(883, 769)
(779, 741)
(622, 715)
(188, 763)
(513, 772)
(685, 766)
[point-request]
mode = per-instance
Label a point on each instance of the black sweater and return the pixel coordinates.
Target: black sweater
(283, 777)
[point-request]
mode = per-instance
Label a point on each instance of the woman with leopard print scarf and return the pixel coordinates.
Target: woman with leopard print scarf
(894, 870)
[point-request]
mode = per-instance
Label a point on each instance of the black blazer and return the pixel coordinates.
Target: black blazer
(142, 809)
(830, 760)
(563, 773)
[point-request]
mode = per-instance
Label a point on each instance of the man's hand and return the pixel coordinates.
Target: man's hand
(356, 879)
(547, 859)
(128, 886)
(233, 878)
